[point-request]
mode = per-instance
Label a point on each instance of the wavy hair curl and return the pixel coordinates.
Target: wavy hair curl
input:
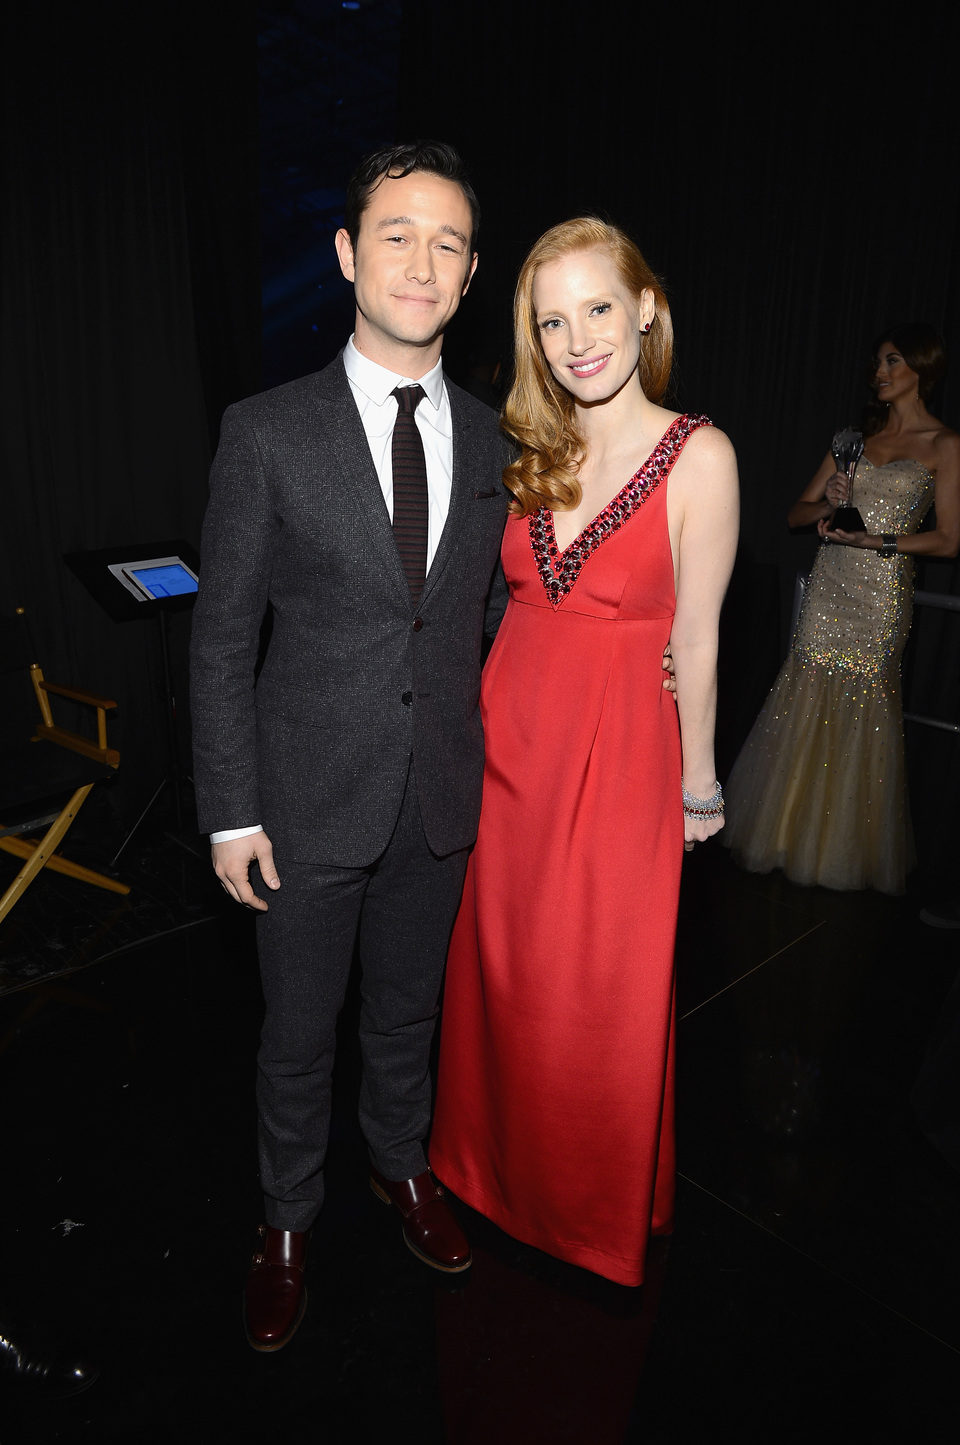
(539, 413)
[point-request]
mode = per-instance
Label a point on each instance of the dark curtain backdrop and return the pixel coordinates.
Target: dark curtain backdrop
(328, 94)
(793, 179)
(130, 316)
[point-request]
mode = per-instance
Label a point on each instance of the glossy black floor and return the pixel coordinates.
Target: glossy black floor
(810, 1289)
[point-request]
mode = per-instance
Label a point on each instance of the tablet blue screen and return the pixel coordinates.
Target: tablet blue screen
(169, 581)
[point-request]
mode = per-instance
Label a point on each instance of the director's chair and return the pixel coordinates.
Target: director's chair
(47, 771)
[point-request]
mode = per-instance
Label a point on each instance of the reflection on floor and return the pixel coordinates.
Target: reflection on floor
(809, 1290)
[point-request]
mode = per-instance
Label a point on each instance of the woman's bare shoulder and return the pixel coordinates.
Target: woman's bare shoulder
(709, 447)
(946, 440)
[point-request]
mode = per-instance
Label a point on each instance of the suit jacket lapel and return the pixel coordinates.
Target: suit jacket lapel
(346, 445)
(463, 485)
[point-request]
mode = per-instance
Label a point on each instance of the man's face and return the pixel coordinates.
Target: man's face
(411, 266)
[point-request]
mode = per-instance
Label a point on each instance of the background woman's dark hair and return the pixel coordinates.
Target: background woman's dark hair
(435, 157)
(922, 348)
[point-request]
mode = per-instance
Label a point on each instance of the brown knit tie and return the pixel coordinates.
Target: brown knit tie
(410, 490)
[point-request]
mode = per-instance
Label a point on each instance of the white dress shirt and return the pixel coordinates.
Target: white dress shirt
(371, 386)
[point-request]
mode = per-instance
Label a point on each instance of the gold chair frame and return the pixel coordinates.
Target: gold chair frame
(40, 853)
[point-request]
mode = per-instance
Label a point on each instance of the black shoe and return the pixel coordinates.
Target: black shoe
(28, 1376)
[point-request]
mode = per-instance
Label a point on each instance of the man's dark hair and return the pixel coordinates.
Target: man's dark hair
(396, 161)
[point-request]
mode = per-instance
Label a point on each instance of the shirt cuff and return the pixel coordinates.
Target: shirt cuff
(229, 833)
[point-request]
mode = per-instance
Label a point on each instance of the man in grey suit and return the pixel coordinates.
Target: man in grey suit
(347, 767)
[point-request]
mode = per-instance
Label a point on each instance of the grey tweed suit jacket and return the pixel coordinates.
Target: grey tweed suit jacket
(316, 744)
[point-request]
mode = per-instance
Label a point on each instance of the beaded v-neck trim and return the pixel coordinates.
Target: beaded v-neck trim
(560, 570)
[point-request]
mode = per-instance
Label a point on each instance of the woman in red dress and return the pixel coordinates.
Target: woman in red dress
(555, 1094)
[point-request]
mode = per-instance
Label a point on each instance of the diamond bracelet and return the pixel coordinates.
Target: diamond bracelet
(703, 807)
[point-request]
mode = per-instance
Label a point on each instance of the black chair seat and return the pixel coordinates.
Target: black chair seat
(33, 774)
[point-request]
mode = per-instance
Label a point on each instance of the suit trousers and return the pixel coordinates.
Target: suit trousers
(395, 918)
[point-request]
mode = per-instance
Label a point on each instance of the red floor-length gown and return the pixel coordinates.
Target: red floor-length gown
(554, 1112)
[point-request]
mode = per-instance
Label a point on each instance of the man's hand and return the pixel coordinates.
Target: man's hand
(231, 863)
(669, 682)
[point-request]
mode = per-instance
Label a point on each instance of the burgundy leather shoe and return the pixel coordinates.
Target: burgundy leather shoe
(275, 1296)
(429, 1228)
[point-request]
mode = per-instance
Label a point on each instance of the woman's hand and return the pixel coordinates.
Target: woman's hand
(698, 830)
(865, 540)
(837, 490)
(826, 490)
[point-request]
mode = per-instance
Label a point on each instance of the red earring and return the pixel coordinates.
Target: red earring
(647, 327)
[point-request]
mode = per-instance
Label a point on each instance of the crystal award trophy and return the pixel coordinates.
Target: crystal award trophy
(846, 449)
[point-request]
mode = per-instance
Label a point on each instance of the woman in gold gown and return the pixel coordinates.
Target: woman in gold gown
(818, 788)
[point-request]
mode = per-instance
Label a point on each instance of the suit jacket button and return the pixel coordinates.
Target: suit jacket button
(417, 624)
(406, 698)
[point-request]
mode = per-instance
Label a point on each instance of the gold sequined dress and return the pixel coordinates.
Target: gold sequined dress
(818, 788)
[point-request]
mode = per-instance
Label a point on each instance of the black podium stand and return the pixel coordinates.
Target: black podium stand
(145, 582)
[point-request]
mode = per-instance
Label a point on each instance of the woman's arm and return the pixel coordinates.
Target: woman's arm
(827, 490)
(943, 540)
(703, 507)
